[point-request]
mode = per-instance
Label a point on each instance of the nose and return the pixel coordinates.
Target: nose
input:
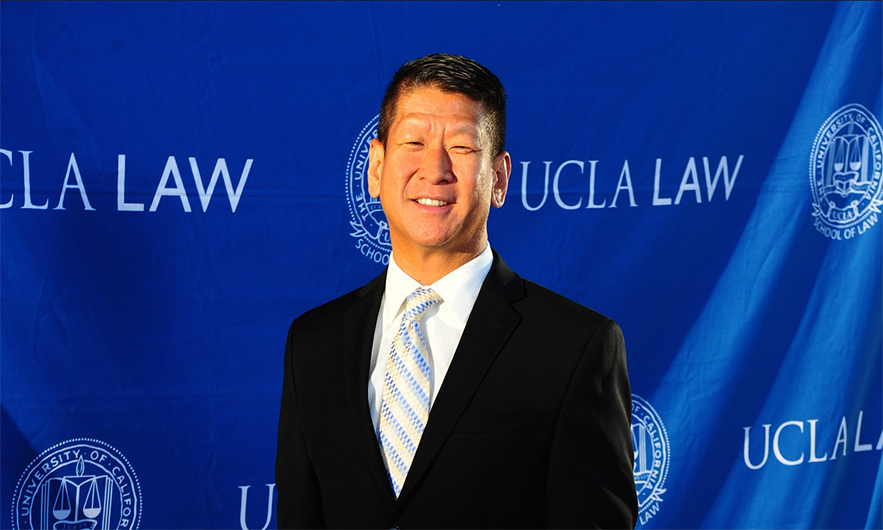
(437, 166)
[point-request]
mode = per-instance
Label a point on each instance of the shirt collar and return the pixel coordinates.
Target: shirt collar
(458, 289)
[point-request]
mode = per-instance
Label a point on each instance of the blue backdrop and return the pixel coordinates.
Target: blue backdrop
(178, 181)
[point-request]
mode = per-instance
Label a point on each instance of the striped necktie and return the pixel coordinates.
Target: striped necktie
(405, 405)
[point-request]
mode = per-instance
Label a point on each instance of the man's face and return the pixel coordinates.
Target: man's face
(437, 175)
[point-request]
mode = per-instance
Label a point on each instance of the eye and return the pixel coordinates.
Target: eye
(463, 149)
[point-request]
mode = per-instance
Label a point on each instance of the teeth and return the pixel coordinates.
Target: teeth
(431, 202)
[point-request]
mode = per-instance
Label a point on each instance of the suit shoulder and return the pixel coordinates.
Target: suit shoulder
(543, 296)
(330, 308)
(332, 311)
(541, 302)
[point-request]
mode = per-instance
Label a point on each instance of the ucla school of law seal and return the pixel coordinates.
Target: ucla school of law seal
(78, 484)
(652, 452)
(844, 173)
(366, 216)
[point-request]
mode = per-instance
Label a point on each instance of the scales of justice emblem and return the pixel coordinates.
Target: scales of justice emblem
(73, 507)
(78, 486)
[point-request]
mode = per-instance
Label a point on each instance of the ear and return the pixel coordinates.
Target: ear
(375, 163)
(502, 169)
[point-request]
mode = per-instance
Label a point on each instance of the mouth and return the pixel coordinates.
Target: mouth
(431, 202)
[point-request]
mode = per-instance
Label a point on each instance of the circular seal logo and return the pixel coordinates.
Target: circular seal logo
(844, 173)
(77, 484)
(650, 442)
(366, 216)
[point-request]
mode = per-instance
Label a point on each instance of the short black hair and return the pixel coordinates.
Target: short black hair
(449, 73)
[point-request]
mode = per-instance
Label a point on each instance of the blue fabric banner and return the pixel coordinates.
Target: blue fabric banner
(178, 181)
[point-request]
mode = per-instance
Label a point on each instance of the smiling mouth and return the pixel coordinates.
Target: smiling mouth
(431, 202)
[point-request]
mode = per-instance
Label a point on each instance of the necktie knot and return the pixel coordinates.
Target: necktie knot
(419, 301)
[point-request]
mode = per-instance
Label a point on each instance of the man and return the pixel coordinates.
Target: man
(448, 392)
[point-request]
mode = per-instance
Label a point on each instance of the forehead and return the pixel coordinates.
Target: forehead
(429, 105)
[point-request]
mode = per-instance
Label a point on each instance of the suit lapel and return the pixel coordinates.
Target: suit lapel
(358, 338)
(490, 324)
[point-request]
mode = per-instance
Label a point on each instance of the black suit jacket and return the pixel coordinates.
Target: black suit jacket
(529, 429)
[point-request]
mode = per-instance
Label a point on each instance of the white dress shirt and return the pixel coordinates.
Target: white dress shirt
(442, 323)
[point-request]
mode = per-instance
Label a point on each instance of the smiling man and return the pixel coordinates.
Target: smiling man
(448, 392)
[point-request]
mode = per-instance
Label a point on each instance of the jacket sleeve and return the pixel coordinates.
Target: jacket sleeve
(299, 504)
(590, 481)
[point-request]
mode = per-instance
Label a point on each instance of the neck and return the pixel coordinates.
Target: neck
(429, 267)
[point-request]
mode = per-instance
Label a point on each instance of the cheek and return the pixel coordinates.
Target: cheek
(397, 174)
(471, 174)
(484, 186)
